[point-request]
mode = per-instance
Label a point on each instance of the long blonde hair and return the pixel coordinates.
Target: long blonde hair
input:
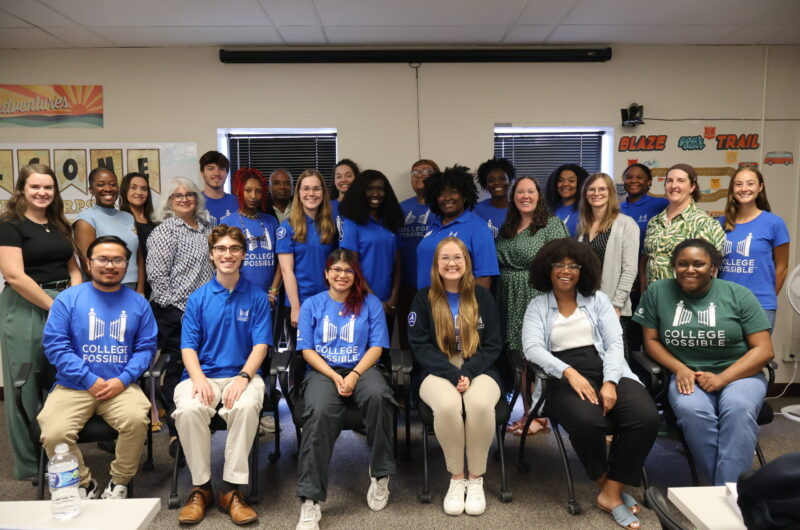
(586, 212)
(324, 221)
(467, 307)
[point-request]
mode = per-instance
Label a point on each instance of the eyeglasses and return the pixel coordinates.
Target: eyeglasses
(422, 172)
(308, 189)
(183, 196)
(568, 266)
(233, 249)
(103, 261)
(458, 258)
(336, 271)
(598, 191)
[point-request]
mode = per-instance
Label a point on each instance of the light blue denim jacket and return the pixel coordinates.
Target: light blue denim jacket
(606, 335)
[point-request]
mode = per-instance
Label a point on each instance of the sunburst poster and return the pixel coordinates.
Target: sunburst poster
(64, 106)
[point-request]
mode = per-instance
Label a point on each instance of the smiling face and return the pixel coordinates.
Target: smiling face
(39, 191)
(105, 188)
(693, 270)
(375, 193)
(526, 196)
(564, 276)
(678, 187)
(138, 191)
(252, 193)
(107, 275)
(567, 186)
(343, 177)
(214, 176)
(227, 255)
(636, 182)
(746, 187)
(596, 193)
(183, 202)
(311, 194)
(451, 203)
(452, 263)
(340, 276)
(497, 183)
(419, 174)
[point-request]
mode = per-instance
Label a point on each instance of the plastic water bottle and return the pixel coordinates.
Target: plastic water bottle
(63, 477)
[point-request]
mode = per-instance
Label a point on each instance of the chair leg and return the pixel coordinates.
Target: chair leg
(573, 508)
(523, 466)
(761, 460)
(425, 495)
(645, 487)
(505, 495)
(407, 413)
(173, 502)
(42, 476)
(131, 493)
(394, 438)
(148, 463)
(276, 452)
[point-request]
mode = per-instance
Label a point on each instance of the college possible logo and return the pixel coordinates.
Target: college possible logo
(412, 319)
(742, 247)
(97, 327)
(253, 242)
(244, 315)
(495, 230)
(346, 333)
(281, 232)
(707, 317)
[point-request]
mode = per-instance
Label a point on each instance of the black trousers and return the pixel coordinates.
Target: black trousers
(404, 299)
(633, 419)
(169, 341)
(324, 418)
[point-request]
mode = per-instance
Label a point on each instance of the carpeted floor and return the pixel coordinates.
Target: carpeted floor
(539, 496)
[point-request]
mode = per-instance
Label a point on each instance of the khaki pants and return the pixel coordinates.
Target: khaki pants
(66, 411)
(473, 431)
(192, 420)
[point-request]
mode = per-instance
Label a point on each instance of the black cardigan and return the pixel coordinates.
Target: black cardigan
(431, 360)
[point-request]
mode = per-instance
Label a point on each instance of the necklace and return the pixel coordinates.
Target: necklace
(45, 225)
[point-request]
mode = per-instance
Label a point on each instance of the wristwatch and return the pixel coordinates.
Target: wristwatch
(245, 375)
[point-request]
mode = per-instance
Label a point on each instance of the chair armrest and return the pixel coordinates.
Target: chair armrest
(771, 367)
(646, 362)
(280, 361)
(658, 376)
(20, 378)
(157, 367)
(401, 364)
(543, 380)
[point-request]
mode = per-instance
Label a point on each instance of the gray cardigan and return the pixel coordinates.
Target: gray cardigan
(620, 263)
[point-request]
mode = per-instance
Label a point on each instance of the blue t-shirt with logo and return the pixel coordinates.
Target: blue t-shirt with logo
(309, 258)
(748, 256)
(258, 266)
(342, 340)
(470, 229)
(376, 247)
(569, 214)
(494, 217)
(452, 301)
(219, 208)
(642, 211)
(417, 220)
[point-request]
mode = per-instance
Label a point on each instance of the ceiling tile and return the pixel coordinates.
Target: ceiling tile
(671, 12)
(79, 37)
(164, 13)
(786, 15)
(787, 36)
(639, 34)
(302, 34)
(28, 38)
(417, 12)
(156, 37)
(10, 21)
(528, 34)
(291, 12)
(34, 12)
(387, 35)
(538, 12)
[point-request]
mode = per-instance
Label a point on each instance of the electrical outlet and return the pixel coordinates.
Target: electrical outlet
(789, 356)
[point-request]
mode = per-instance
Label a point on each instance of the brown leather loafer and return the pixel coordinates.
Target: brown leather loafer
(196, 505)
(233, 504)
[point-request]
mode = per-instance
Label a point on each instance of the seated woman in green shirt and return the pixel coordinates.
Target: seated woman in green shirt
(714, 337)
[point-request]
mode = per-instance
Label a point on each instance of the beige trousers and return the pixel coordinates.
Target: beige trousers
(192, 419)
(473, 431)
(66, 411)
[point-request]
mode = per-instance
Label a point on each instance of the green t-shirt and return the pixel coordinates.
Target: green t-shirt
(706, 333)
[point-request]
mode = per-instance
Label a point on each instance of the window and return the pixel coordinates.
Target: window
(537, 151)
(292, 149)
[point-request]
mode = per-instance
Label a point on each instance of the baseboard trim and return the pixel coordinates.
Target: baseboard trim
(776, 388)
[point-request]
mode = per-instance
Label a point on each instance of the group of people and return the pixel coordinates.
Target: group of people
(571, 276)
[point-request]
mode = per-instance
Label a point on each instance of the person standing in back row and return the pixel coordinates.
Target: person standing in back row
(214, 168)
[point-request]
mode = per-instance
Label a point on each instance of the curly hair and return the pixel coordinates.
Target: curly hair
(334, 191)
(551, 190)
(487, 167)
(356, 208)
(713, 253)
(240, 178)
(514, 218)
(557, 250)
(458, 178)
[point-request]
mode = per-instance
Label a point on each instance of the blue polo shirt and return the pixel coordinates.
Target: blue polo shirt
(219, 208)
(376, 247)
(494, 217)
(569, 214)
(341, 340)
(259, 261)
(417, 221)
(642, 211)
(470, 229)
(223, 326)
(309, 258)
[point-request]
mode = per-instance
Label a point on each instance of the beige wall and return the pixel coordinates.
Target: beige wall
(180, 95)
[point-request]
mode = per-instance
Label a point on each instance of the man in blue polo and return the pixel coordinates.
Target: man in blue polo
(226, 332)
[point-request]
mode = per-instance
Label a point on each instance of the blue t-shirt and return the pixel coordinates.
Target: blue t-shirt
(470, 229)
(417, 221)
(113, 222)
(91, 333)
(222, 326)
(642, 211)
(337, 219)
(258, 266)
(219, 208)
(452, 300)
(309, 258)
(748, 256)
(342, 340)
(376, 247)
(494, 217)
(569, 214)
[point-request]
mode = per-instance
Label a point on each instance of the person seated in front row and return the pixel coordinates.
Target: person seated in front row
(226, 332)
(454, 331)
(342, 333)
(573, 333)
(714, 337)
(86, 323)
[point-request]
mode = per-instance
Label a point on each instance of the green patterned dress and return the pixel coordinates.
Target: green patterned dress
(513, 291)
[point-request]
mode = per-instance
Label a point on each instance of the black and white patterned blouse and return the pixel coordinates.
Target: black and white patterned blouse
(598, 245)
(177, 261)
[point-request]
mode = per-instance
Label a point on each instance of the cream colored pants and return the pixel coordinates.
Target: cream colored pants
(192, 419)
(66, 411)
(473, 431)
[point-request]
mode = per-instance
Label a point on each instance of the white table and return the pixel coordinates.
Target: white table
(706, 507)
(120, 514)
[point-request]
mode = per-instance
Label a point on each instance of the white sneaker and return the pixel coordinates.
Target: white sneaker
(454, 500)
(310, 514)
(92, 492)
(266, 425)
(476, 501)
(117, 492)
(378, 493)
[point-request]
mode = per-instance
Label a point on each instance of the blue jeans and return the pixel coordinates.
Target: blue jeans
(720, 427)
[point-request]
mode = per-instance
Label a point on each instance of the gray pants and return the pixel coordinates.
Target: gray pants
(324, 415)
